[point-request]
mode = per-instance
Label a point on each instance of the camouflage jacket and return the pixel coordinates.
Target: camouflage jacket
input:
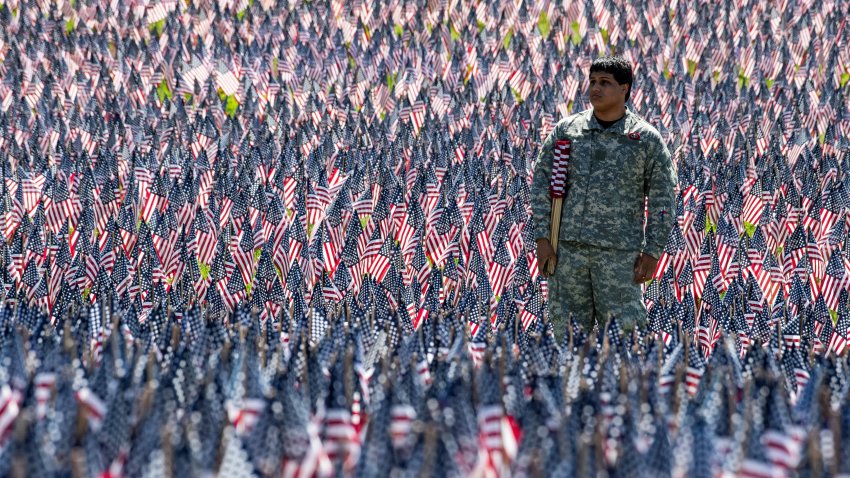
(611, 172)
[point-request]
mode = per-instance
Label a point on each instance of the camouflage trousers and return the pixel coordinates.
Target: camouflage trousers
(594, 283)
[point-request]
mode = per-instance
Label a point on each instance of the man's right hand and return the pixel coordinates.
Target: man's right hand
(545, 253)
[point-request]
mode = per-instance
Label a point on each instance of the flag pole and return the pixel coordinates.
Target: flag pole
(557, 205)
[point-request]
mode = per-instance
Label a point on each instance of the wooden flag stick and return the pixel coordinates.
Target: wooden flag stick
(557, 204)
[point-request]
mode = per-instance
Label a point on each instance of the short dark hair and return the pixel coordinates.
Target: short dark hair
(618, 67)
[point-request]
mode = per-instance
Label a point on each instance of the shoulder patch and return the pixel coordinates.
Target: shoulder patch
(634, 135)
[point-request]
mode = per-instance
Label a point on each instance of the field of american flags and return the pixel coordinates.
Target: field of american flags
(293, 238)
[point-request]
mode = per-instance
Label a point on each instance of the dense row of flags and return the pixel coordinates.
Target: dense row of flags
(294, 238)
(188, 397)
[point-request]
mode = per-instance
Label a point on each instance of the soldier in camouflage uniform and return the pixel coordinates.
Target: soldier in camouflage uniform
(618, 161)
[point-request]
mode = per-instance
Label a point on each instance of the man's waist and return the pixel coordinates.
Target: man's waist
(591, 237)
(574, 243)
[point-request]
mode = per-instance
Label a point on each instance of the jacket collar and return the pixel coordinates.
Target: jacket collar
(624, 125)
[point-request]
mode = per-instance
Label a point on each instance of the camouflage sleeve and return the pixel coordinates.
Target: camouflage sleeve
(540, 202)
(659, 184)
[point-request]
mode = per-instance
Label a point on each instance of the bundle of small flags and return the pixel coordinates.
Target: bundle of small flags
(294, 238)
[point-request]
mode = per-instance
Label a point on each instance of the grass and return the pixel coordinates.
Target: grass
(743, 81)
(157, 27)
(231, 106)
(163, 91)
(749, 228)
(507, 40)
(692, 68)
(576, 35)
(543, 24)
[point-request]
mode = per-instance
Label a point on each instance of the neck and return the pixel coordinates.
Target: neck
(610, 114)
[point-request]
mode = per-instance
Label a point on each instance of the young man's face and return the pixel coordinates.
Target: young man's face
(604, 91)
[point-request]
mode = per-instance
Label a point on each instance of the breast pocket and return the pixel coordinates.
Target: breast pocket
(630, 165)
(628, 162)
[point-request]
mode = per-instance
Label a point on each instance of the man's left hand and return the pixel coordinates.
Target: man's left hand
(644, 268)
